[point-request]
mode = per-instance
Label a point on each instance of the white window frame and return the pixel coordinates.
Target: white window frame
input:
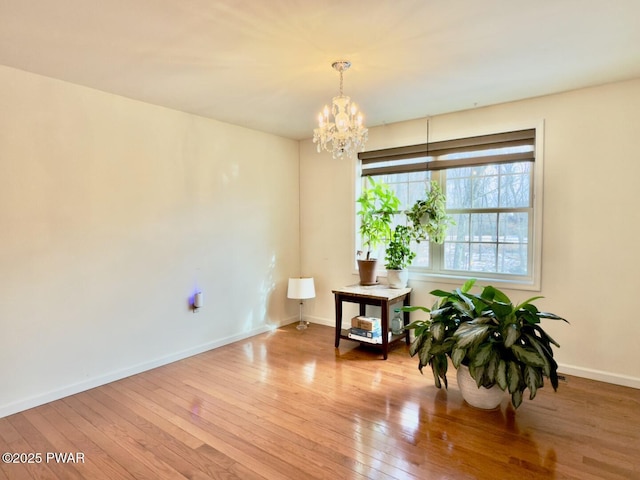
(534, 278)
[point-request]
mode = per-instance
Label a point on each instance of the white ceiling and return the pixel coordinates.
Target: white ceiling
(266, 64)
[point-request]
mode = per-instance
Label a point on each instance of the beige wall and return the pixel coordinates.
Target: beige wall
(590, 259)
(112, 213)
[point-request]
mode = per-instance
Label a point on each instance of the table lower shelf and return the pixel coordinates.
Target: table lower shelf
(344, 334)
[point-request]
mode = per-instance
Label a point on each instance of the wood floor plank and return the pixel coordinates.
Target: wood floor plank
(17, 444)
(276, 418)
(240, 450)
(243, 448)
(94, 466)
(288, 405)
(39, 443)
(73, 430)
(271, 428)
(188, 461)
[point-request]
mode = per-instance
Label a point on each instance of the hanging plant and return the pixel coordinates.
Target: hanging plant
(428, 217)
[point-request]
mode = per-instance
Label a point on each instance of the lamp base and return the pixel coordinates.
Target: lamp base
(302, 325)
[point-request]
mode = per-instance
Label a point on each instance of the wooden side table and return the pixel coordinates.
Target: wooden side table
(376, 295)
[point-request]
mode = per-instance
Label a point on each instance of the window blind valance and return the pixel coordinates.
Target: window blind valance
(516, 146)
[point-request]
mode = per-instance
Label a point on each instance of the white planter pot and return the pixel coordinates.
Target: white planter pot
(398, 278)
(485, 398)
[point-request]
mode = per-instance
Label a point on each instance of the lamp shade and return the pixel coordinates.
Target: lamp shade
(301, 288)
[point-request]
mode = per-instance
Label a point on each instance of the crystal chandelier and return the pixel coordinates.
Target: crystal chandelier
(344, 133)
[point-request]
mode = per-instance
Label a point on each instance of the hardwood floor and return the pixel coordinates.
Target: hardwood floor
(287, 405)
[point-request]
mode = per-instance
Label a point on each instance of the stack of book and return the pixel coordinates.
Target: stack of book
(366, 329)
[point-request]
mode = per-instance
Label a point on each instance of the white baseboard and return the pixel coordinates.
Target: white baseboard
(599, 375)
(40, 399)
(321, 321)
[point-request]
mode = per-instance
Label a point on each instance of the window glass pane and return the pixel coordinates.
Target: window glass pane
(458, 191)
(513, 259)
(456, 256)
(513, 227)
(464, 172)
(419, 176)
(515, 185)
(422, 254)
(402, 192)
(460, 231)
(484, 227)
(417, 190)
(483, 257)
(484, 188)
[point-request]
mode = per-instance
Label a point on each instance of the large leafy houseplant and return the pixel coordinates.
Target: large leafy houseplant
(502, 343)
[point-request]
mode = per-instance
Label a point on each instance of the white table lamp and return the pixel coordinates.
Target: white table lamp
(300, 289)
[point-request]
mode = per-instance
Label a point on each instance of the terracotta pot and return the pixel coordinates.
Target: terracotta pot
(398, 278)
(367, 269)
(485, 398)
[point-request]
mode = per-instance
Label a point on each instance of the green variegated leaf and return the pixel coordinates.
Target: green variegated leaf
(532, 380)
(472, 371)
(414, 309)
(442, 364)
(440, 348)
(470, 306)
(535, 343)
(514, 377)
(437, 330)
(425, 353)
(415, 345)
(436, 378)
(491, 369)
(469, 334)
(551, 316)
(511, 336)
(516, 398)
(482, 320)
(457, 355)
(439, 312)
(440, 293)
(528, 356)
(501, 374)
(462, 308)
(545, 335)
(478, 374)
(481, 356)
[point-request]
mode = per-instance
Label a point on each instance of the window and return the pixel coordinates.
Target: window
(490, 185)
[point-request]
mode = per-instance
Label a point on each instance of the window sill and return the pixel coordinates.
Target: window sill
(507, 284)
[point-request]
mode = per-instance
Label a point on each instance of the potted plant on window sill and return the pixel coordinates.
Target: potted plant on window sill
(502, 345)
(378, 204)
(399, 256)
